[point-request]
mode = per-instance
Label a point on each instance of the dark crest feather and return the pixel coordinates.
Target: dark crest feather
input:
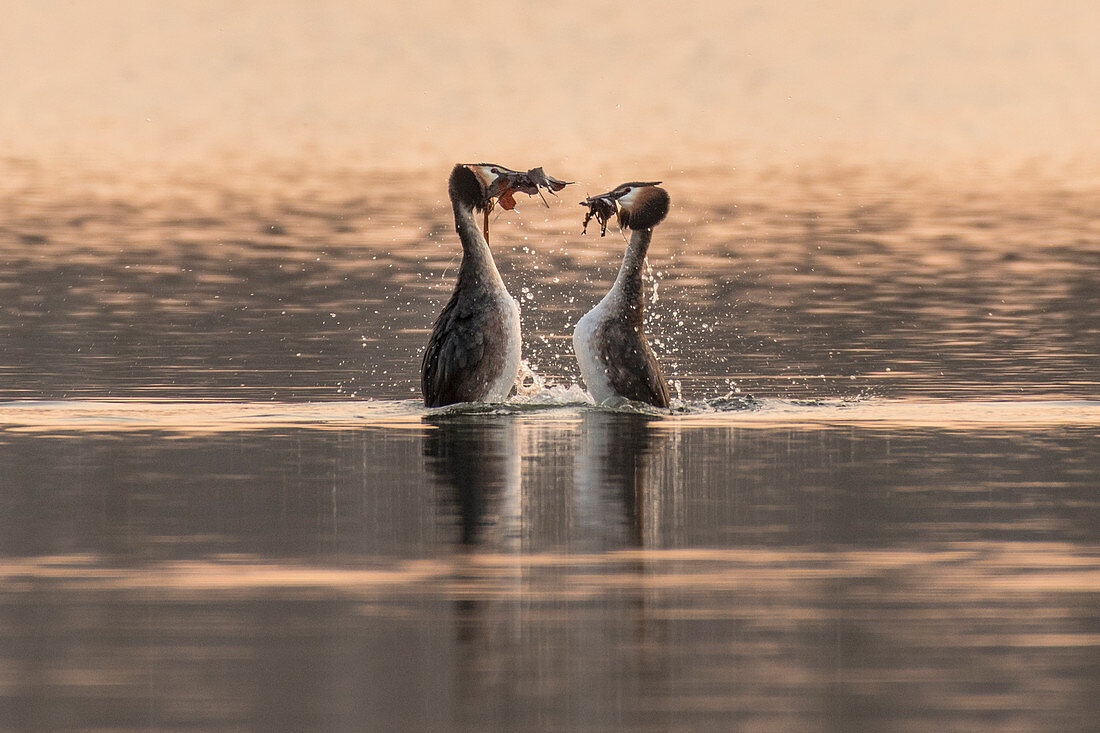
(466, 187)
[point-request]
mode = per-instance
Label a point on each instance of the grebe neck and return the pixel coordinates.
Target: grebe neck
(478, 268)
(628, 284)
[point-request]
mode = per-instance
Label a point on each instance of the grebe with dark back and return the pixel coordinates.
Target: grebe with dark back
(473, 354)
(615, 358)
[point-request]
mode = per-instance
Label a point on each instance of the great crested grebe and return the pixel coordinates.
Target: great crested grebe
(474, 351)
(615, 359)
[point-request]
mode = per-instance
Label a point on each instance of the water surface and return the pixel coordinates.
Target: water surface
(873, 505)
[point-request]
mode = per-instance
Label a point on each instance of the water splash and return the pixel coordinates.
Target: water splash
(528, 381)
(533, 389)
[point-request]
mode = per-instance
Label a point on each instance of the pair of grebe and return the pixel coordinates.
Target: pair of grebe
(474, 351)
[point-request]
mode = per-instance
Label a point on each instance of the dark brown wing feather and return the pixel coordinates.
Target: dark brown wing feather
(631, 364)
(465, 352)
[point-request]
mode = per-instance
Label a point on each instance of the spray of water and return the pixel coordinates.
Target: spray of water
(533, 388)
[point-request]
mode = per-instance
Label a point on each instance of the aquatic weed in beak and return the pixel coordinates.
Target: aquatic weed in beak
(602, 208)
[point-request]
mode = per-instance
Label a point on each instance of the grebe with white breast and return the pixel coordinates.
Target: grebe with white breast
(473, 354)
(615, 358)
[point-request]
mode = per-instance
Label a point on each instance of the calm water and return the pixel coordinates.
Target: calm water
(874, 507)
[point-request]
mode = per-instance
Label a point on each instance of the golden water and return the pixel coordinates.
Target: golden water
(224, 237)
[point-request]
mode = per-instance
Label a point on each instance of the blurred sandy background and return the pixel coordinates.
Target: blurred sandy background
(577, 84)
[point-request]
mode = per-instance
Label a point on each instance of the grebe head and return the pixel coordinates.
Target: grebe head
(469, 186)
(637, 205)
(642, 206)
(476, 185)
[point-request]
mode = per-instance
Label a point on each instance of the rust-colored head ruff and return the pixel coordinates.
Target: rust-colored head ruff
(643, 208)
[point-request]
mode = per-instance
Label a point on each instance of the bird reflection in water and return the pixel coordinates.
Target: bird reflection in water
(508, 492)
(476, 462)
(479, 462)
(609, 478)
(619, 479)
(476, 458)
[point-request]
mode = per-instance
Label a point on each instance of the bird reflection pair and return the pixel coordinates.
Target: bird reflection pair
(474, 351)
